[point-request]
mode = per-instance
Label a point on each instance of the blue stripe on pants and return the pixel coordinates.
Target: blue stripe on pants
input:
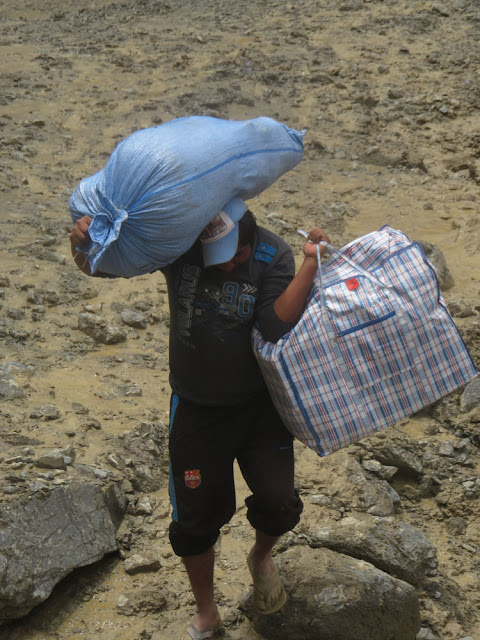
(171, 485)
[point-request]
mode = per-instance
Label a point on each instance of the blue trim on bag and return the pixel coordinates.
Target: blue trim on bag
(366, 324)
(171, 485)
(319, 448)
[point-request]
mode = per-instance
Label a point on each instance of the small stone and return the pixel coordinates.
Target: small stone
(52, 460)
(446, 449)
(133, 319)
(115, 461)
(425, 634)
(124, 607)
(56, 459)
(47, 412)
(9, 387)
(140, 564)
(470, 548)
(457, 526)
(100, 473)
(91, 423)
(132, 391)
(99, 329)
(79, 409)
(384, 471)
(144, 506)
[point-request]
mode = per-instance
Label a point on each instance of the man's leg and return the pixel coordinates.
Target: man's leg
(202, 494)
(261, 554)
(268, 592)
(200, 573)
(267, 463)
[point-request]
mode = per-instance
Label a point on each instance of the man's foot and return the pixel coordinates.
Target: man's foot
(211, 632)
(204, 621)
(268, 593)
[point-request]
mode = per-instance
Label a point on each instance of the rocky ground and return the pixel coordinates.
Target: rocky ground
(388, 92)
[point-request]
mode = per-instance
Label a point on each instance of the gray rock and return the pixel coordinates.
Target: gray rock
(147, 447)
(354, 488)
(380, 469)
(80, 409)
(460, 309)
(436, 257)
(9, 387)
(47, 412)
(147, 599)
(446, 450)
(138, 563)
(334, 597)
(13, 368)
(394, 547)
(56, 459)
(425, 634)
(45, 537)
(395, 449)
(92, 423)
(52, 460)
(457, 526)
(133, 319)
(132, 391)
(99, 329)
(471, 396)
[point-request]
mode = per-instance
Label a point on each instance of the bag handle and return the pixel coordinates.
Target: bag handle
(352, 263)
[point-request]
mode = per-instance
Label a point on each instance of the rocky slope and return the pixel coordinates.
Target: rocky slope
(388, 92)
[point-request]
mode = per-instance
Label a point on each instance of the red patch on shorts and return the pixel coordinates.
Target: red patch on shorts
(192, 478)
(352, 284)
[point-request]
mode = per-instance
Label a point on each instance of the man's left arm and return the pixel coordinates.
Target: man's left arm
(290, 305)
(283, 295)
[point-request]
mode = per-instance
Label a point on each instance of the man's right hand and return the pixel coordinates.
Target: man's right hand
(79, 238)
(79, 234)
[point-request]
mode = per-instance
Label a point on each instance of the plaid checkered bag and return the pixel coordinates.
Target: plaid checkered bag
(375, 344)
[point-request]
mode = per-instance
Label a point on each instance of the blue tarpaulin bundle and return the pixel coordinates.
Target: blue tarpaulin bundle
(163, 185)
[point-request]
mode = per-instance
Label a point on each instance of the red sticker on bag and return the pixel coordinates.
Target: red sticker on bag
(352, 284)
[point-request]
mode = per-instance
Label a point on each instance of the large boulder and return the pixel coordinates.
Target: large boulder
(397, 548)
(334, 597)
(45, 536)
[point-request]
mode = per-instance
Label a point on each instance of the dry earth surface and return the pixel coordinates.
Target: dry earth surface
(389, 94)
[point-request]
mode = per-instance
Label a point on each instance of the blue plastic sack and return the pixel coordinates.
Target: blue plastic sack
(163, 185)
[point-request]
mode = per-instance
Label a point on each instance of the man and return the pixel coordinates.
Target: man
(235, 275)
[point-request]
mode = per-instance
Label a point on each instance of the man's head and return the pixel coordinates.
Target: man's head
(226, 238)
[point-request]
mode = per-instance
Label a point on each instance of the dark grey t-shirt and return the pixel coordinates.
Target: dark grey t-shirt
(211, 317)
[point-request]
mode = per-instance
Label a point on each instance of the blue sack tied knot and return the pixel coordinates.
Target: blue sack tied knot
(105, 227)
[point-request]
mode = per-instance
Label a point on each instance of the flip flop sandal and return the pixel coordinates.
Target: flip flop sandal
(194, 634)
(268, 593)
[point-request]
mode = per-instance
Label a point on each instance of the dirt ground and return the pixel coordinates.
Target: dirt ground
(388, 92)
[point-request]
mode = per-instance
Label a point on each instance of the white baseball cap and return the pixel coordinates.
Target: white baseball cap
(220, 237)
